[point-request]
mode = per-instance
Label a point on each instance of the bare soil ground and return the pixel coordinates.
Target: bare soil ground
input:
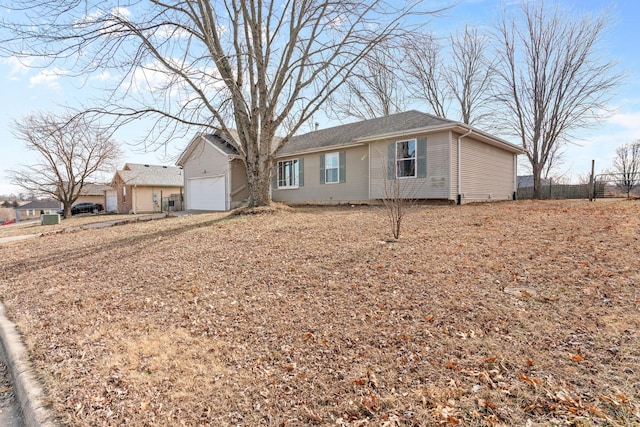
(519, 313)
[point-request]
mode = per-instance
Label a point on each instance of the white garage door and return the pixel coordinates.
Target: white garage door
(206, 194)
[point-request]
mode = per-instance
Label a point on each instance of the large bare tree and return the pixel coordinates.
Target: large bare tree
(626, 166)
(457, 73)
(69, 152)
(424, 72)
(261, 67)
(469, 75)
(552, 79)
(375, 88)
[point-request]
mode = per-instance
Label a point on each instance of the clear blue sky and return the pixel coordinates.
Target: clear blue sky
(27, 90)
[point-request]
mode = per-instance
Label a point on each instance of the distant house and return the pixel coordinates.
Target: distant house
(34, 209)
(430, 157)
(93, 193)
(525, 181)
(140, 188)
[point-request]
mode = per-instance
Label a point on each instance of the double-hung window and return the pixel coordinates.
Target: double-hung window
(289, 173)
(406, 158)
(331, 168)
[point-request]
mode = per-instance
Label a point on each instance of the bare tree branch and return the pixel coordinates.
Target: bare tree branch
(626, 166)
(261, 67)
(375, 88)
(70, 153)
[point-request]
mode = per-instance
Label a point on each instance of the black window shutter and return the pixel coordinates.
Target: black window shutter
(391, 160)
(301, 172)
(342, 159)
(321, 168)
(421, 157)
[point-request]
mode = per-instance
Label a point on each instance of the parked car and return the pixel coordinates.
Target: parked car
(11, 221)
(86, 207)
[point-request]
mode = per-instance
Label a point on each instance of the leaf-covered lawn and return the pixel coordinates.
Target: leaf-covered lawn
(487, 314)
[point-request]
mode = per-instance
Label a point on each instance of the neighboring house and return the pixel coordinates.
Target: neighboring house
(34, 209)
(428, 157)
(141, 188)
(525, 181)
(93, 193)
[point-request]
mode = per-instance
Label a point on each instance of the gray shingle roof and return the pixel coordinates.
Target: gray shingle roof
(94, 189)
(346, 134)
(160, 176)
(222, 143)
(41, 204)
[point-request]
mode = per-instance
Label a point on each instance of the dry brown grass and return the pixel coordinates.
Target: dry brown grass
(35, 227)
(310, 317)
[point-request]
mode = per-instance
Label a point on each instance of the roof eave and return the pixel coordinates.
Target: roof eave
(320, 149)
(485, 137)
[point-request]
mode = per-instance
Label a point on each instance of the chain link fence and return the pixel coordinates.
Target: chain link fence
(173, 203)
(610, 185)
(556, 191)
(616, 185)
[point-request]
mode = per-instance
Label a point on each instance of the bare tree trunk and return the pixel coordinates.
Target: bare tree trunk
(537, 181)
(258, 182)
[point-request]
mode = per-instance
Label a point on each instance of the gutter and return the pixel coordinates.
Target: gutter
(459, 161)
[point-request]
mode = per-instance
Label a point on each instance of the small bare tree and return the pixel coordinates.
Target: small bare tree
(398, 193)
(70, 152)
(551, 80)
(626, 166)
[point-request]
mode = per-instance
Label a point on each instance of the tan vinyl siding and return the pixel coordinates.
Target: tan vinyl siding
(436, 185)
(487, 172)
(355, 189)
(143, 198)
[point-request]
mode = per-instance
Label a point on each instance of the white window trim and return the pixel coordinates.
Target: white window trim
(415, 159)
(337, 168)
(296, 178)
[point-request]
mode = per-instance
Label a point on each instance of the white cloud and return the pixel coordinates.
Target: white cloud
(103, 76)
(629, 121)
(49, 78)
(17, 67)
(121, 12)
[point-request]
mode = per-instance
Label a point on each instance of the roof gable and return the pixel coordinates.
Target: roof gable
(92, 189)
(216, 140)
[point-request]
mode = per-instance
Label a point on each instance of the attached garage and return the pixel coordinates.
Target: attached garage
(206, 194)
(112, 201)
(214, 176)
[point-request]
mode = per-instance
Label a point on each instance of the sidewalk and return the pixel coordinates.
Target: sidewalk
(101, 224)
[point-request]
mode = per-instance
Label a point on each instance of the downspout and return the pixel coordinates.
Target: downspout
(134, 200)
(459, 156)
